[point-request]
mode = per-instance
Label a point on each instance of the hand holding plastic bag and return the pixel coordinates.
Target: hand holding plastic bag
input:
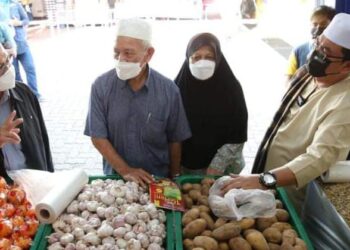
(239, 203)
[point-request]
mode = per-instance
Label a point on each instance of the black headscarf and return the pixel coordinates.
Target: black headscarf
(215, 108)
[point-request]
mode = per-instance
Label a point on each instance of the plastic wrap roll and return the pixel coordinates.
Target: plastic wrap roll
(59, 197)
(339, 172)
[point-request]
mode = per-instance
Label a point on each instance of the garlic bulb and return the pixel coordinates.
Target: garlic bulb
(56, 246)
(66, 238)
(92, 238)
(133, 244)
(119, 232)
(100, 211)
(111, 212)
(121, 243)
(92, 206)
(73, 207)
(144, 216)
(108, 240)
(117, 192)
(105, 230)
(80, 245)
(143, 238)
(144, 199)
(154, 246)
(129, 235)
(106, 198)
(78, 233)
(130, 218)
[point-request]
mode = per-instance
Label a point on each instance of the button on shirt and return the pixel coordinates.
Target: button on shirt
(140, 125)
(13, 155)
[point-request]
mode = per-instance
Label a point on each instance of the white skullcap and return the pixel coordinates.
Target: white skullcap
(338, 31)
(135, 28)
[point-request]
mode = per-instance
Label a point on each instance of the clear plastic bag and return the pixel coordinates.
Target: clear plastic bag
(239, 203)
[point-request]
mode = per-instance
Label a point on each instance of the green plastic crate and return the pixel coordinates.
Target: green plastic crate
(40, 241)
(281, 194)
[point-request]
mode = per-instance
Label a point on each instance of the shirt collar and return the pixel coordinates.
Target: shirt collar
(13, 92)
(5, 97)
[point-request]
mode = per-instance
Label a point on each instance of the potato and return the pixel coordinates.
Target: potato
(281, 226)
(219, 222)
(274, 246)
(223, 246)
(187, 187)
(208, 181)
(203, 200)
(210, 222)
(226, 231)
(248, 231)
(256, 240)
(193, 213)
(197, 186)
(204, 208)
(205, 242)
(198, 248)
(279, 204)
(195, 194)
(273, 235)
(238, 243)
(188, 244)
(262, 223)
(282, 215)
(205, 190)
(190, 215)
(300, 244)
(246, 223)
(207, 233)
(289, 236)
(188, 201)
(286, 246)
(194, 228)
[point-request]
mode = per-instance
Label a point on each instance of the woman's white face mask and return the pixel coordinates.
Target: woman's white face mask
(202, 69)
(8, 79)
(127, 70)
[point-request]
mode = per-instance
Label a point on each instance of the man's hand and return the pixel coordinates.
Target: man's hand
(9, 132)
(242, 181)
(137, 175)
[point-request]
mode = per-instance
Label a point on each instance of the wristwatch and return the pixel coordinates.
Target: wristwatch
(268, 180)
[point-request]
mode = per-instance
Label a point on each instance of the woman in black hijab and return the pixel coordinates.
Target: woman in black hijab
(215, 108)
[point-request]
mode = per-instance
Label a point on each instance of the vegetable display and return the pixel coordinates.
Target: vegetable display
(110, 214)
(18, 223)
(204, 231)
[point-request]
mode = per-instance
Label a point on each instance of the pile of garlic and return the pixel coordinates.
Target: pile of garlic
(110, 214)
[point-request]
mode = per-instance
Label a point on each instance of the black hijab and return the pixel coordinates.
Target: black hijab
(215, 107)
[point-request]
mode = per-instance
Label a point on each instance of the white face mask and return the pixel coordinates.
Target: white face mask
(127, 70)
(203, 69)
(8, 79)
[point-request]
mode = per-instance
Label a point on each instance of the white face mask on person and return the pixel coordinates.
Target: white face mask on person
(8, 79)
(202, 69)
(127, 70)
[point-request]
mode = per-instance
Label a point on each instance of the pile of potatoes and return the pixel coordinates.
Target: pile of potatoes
(203, 231)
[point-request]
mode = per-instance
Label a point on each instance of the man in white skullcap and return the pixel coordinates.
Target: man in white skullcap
(136, 119)
(311, 129)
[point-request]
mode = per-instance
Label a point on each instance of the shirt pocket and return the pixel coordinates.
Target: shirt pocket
(153, 132)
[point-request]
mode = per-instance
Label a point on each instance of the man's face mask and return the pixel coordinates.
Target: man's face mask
(202, 69)
(318, 62)
(127, 70)
(8, 79)
(317, 31)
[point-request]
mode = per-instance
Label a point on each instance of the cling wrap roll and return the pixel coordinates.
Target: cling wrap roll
(339, 172)
(59, 197)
